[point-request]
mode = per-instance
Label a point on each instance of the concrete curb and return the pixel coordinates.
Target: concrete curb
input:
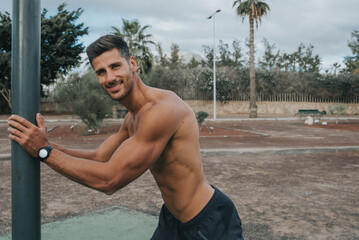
(279, 119)
(4, 157)
(273, 151)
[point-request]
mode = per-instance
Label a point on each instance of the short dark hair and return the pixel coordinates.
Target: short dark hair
(107, 43)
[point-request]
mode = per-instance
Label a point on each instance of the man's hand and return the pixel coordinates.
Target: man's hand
(29, 136)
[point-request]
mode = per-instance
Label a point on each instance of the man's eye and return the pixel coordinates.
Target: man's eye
(115, 66)
(100, 72)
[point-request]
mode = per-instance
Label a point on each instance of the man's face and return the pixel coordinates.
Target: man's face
(114, 73)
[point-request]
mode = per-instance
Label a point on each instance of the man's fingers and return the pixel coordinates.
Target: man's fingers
(28, 135)
(14, 132)
(20, 120)
(16, 125)
(40, 121)
(15, 138)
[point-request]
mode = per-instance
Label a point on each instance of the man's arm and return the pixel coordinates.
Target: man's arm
(104, 152)
(101, 154)
(133, 157)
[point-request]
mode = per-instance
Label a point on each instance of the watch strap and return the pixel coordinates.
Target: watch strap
(48, 148)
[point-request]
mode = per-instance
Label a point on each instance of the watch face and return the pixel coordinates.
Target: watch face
(43, 153)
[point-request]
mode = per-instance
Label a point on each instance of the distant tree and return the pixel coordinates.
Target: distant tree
(193, 63)
(310, 63)
(229, 57)
(208, 52)
(60, 46)
(224, 55)
(161, 57)
(336, 66)
(163, 77)
(352, 62)
(237, 54)
(5, 58)
(305, 59)
(254, 9)
(301, 60)
(138, 42)
(175, 60)
(225, 80)
(270, 58)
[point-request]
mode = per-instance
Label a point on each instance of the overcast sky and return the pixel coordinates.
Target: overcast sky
(326, 24)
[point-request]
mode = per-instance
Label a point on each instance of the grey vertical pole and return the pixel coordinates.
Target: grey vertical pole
(25, 84)
(214, 62)
(214, 67)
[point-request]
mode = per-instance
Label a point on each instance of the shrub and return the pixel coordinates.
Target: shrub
(338, 109)
(201, 116)
(86, 98)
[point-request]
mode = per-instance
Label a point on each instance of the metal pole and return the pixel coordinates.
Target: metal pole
(214, 63)
(25, 83)
(214, 68)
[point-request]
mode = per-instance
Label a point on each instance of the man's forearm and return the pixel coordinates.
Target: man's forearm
(78, 153)
(86, 172)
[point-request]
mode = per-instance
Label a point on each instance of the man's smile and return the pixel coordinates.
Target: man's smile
(115, 86)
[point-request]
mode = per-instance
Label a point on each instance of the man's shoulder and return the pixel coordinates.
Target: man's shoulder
(165, 99)
(171, 104)
(166, 109)
(163, 94)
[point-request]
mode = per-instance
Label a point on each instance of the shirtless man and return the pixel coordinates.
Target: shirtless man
(160, 133)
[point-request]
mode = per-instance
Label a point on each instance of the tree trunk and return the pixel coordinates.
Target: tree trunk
(253, 105)
(6, 93)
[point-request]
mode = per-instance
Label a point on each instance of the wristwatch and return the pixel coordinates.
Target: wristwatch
(44, 153)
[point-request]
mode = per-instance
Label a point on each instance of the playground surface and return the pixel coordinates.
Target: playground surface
(288, 181)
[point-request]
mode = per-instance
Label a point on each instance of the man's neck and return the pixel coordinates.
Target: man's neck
(136, 98)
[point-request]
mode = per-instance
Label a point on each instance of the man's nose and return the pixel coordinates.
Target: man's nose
(110, 76)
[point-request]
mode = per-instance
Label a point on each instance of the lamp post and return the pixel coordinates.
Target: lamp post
(214, 61)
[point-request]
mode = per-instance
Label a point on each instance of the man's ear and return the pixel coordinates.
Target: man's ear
(133, 64)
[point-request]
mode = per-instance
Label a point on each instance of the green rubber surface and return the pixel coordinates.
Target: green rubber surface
(108, 224)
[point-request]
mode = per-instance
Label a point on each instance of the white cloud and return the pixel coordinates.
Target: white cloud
(326, 24)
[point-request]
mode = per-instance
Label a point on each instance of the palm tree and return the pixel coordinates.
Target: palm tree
(138, 42)
(255, 10)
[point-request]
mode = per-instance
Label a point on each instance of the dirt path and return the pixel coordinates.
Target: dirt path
(279, 196)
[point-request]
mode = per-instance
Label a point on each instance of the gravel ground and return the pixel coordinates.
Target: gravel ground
(278, 196)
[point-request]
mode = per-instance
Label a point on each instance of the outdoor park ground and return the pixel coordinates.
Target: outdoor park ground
(288, 180)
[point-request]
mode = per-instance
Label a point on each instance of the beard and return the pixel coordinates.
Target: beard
(124, 91)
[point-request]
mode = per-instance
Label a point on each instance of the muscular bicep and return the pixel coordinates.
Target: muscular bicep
(132, 159)
(105, 151)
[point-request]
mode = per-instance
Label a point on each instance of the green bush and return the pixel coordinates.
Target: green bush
(201, 116)
(86, 98)
(338, 109)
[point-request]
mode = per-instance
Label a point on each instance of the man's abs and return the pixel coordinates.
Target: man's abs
(185, 193)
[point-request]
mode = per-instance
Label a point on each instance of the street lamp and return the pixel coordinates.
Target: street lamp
(214, 62)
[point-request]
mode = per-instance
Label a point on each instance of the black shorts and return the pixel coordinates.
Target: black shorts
(218, 220)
